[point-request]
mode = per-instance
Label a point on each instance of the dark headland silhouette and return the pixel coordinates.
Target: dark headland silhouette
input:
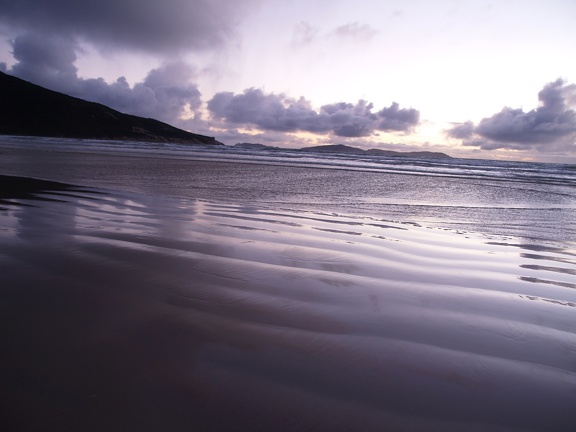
(341, 148)
(31, 110)
(345, 149)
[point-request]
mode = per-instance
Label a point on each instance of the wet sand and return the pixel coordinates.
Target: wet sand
(129, 312)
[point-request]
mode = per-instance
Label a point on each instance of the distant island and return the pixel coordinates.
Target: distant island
(341, 148)
(31, 110)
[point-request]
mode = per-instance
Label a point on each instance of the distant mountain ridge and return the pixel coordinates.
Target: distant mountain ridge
(28, 109)
(342, 148)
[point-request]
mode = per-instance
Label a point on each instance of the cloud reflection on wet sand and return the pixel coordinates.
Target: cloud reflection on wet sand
(132, 312)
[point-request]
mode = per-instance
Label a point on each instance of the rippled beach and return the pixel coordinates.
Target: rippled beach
(237, 301)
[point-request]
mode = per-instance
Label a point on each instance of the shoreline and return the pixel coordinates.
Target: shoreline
(456, 204)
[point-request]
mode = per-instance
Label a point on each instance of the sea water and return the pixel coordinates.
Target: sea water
(532, 201)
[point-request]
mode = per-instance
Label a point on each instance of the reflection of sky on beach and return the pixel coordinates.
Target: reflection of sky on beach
(429, 255)
(407, 251)
(39, 226)
(320, 314)
(10, 222)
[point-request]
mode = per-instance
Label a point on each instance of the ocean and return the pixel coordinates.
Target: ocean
(535, 202)
(154, 287)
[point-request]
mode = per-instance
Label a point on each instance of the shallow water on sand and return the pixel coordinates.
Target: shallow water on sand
(127, 311)
(534, 202)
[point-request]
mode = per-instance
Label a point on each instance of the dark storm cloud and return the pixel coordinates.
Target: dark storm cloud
(148, 25)
(552, 124)
(48, 35)
(164, 94)
(279, 113)
(47, 61)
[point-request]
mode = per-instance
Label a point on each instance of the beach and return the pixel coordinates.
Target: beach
(143, 308)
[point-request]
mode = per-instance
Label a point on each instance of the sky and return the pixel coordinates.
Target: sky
(471, 78)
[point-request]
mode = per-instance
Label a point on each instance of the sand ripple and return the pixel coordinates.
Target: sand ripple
(131, 312)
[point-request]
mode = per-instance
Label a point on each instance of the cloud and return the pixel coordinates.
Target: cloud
(267, 111)
(277, 112)
(147, 25)
(355, 30)
(165, 94)
(168, 92)
(304, 33)
(549, 122)
(552, 125)
(461, 130)
(47, 61)
(48, 36)
(351, 120)
(395, 119)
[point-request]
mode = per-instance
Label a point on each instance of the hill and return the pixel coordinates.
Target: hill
(28, 109)
(334, 148)
(341, 148)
